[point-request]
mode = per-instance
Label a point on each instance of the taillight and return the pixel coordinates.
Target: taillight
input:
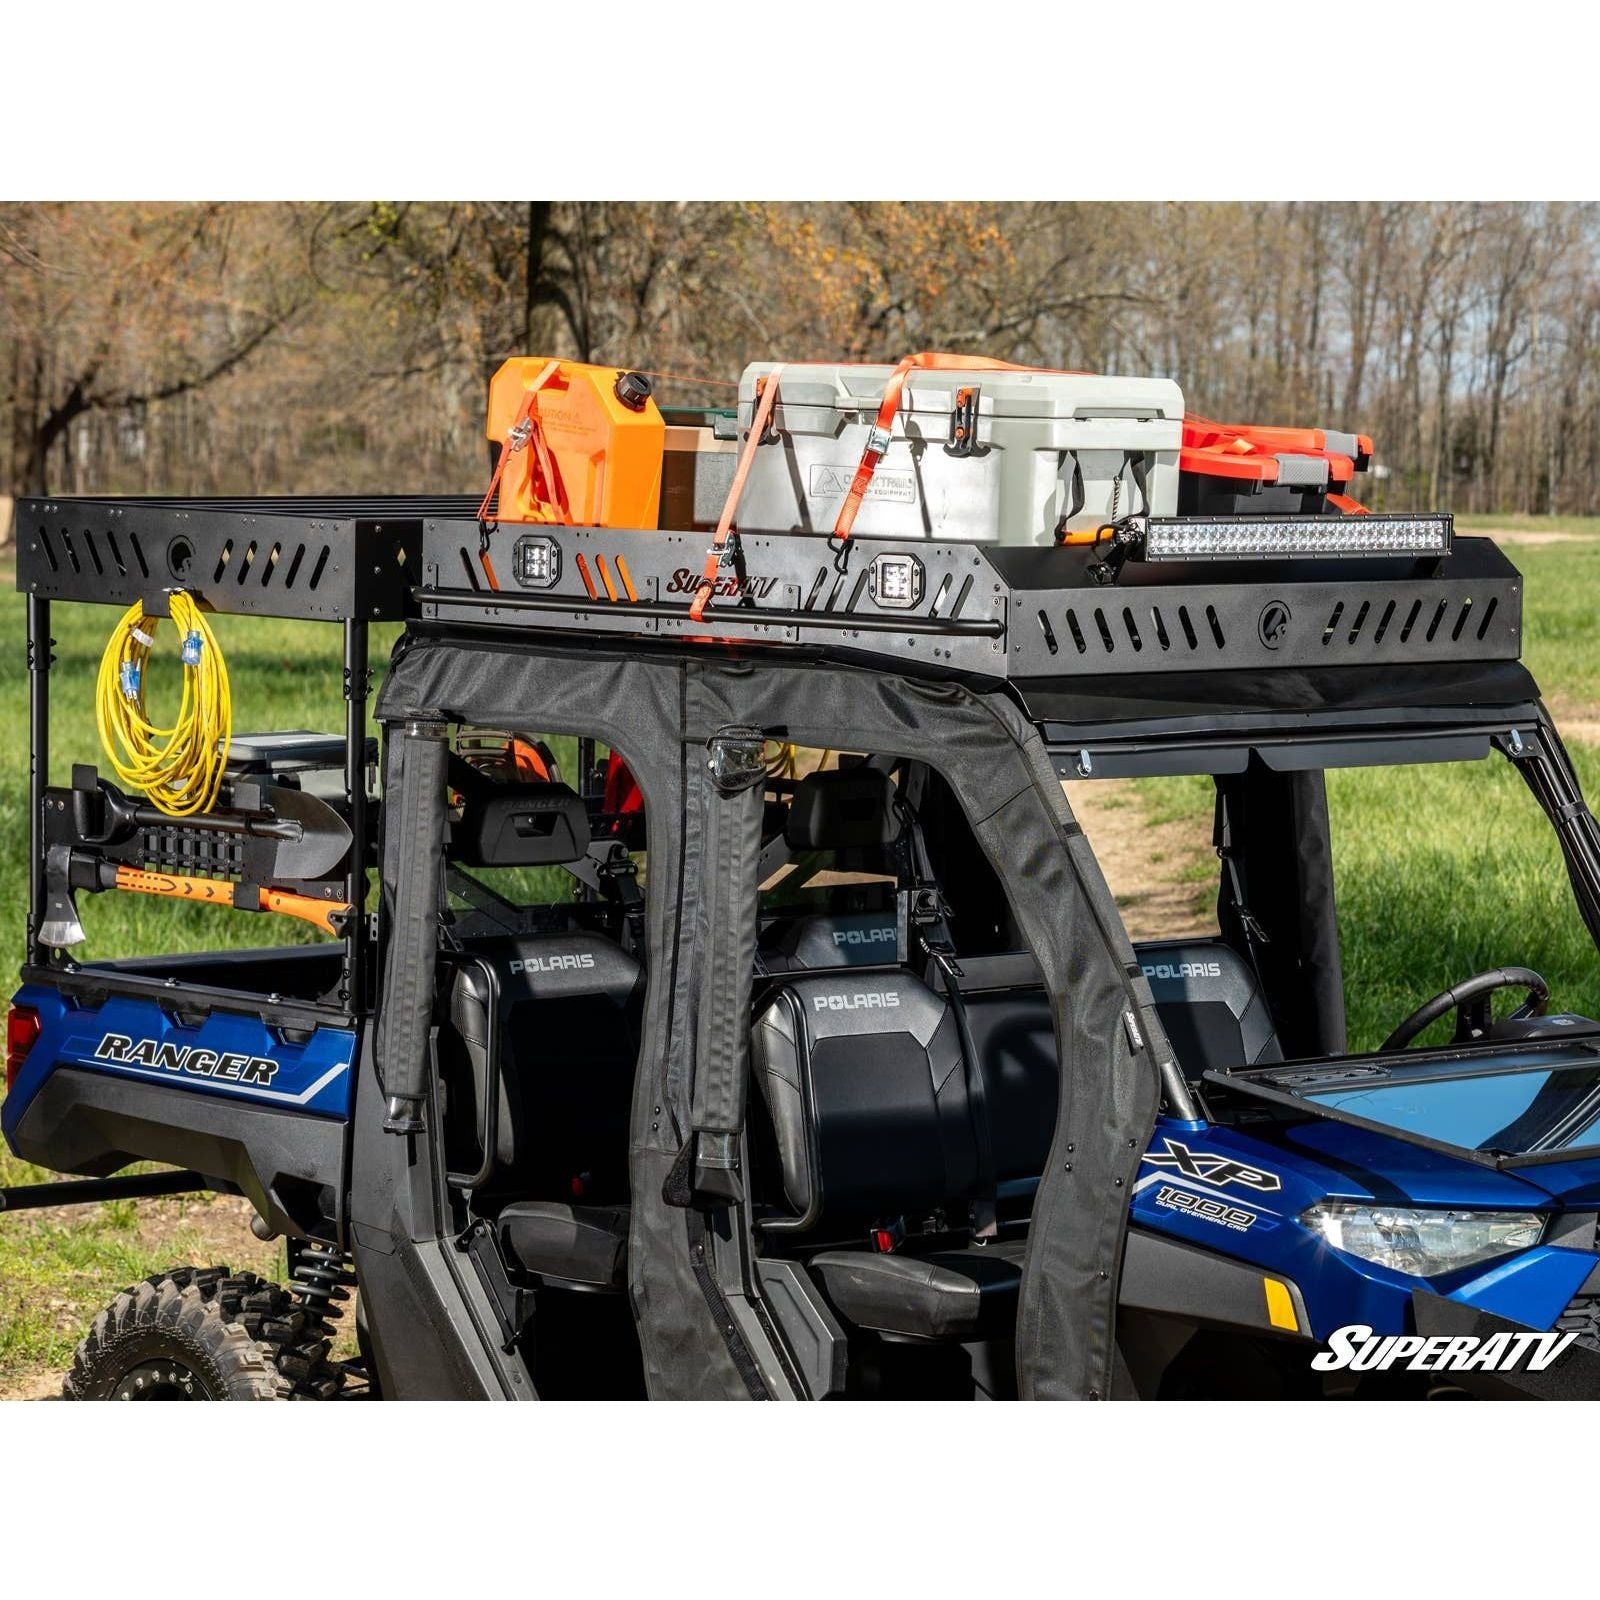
(22, 1032)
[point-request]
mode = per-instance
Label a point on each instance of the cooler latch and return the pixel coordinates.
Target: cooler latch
(964, 421)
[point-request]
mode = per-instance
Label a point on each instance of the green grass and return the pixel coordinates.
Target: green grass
(1562, 638)
(1444, 871)
(1521, 522)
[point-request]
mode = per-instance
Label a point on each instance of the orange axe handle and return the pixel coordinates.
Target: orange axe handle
(328, 915)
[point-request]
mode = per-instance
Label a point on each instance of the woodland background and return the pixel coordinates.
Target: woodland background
(211, 348)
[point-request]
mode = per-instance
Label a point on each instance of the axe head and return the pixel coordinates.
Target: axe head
(60, 928)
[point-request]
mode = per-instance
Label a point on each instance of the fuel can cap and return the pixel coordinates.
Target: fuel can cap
(633, 390)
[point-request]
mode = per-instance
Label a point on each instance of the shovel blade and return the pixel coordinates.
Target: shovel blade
(324, 840)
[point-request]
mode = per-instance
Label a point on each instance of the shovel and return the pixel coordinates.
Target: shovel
(312, 838)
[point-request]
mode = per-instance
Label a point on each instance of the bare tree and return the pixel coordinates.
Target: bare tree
(252, 348)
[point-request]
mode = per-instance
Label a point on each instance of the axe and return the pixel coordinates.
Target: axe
(68, 870)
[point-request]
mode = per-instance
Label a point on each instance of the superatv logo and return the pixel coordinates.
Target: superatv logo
(1218, 1171)
(195, 1060)
(1184, 969)
(864, 936)
(686, 581)
(1357, 1348)
(581, 963)
(886, 1001)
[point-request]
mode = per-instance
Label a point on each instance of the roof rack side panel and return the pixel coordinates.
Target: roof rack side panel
(334, 560)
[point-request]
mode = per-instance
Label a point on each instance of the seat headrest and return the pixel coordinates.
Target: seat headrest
(850, 809)
(521, 825)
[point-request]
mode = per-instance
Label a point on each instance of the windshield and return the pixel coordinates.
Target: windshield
(1435, 872)
(1528, 1103)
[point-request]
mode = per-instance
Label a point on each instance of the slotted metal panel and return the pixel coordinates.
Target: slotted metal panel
(330, 560)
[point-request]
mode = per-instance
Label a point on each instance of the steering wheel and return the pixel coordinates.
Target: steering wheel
(1470, 1002)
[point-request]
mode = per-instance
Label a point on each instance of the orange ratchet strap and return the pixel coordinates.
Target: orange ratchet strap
(882, 432)
(766, 399)
(525, 431)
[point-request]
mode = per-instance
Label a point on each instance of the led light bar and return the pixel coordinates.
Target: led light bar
(1246, 538)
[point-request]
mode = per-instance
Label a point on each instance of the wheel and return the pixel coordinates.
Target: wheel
(203, 1333)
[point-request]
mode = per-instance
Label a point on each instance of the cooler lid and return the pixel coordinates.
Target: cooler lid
(262, 754)
(1053, 396)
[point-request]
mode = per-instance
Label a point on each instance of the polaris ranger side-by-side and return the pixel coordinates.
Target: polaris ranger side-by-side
(665, 1061)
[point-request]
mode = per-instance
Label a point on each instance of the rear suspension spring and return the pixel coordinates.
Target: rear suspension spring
(320, 1278)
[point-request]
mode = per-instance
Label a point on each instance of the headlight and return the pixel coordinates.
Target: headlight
(1424, 1243)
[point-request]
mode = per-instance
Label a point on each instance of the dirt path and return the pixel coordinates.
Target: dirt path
(32, 1386)
(1163, 875)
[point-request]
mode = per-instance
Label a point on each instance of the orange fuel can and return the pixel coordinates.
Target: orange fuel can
(586, 444)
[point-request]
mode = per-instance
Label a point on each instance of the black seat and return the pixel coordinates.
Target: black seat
(863, 1079)
(839, 939)
(1206, 995)
(851, 812)
(958, 1295)
(581, 1246)
(566, 1012)
(1210, 1004)
(1013, 1035)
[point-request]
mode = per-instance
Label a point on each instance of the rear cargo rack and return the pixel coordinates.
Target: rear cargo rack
(341, 560)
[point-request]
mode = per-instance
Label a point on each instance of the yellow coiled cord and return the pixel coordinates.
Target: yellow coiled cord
(179, 769)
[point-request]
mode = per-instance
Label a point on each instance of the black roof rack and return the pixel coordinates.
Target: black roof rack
(328, 558)
(1022, 613)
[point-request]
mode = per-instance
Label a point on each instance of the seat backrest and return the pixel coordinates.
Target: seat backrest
(861, 1074)
(568, 1015)
(1014, 1038)
(848, 810)
(843, 939)
(1206, 995)
(1210, 1004)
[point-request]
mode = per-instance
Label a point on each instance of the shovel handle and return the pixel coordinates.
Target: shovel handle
(328, 915)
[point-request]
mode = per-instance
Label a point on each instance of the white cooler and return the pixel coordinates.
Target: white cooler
(1051, 452)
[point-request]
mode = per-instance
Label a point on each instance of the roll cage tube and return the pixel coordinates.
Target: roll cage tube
(1541, 758)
